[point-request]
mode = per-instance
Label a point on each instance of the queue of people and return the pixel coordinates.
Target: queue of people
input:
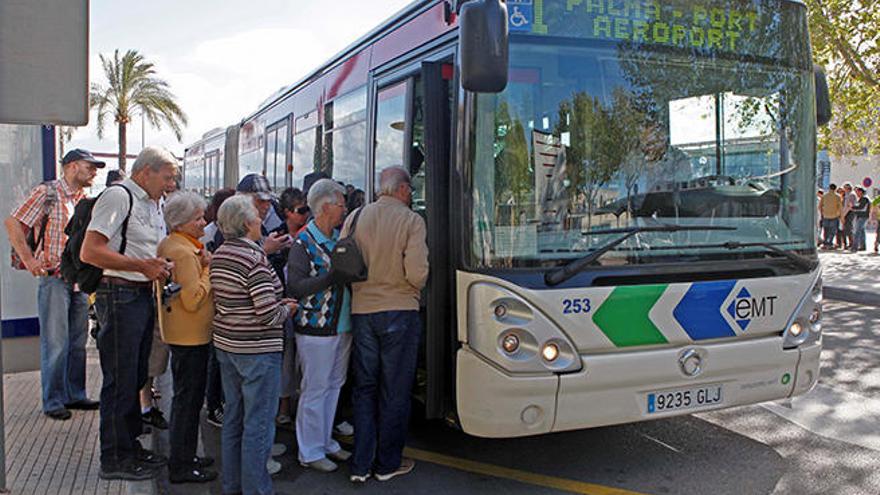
(259, 325)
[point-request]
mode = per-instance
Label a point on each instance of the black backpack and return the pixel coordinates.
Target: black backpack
(346, 259)
(73, 269)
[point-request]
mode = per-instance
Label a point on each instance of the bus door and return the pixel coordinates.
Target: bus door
(412, 127)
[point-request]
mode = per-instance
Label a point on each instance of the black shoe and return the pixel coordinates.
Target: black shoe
(194, 475)
(148, 457)
(61, 414)
(154, 417)
(129, 471)
(84, 405)
(215, 418)
(203, 462)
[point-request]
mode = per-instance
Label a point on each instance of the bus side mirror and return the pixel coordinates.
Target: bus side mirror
(484, 46)
(823, 98)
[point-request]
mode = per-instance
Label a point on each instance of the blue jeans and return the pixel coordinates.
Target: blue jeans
(251, 385)
(64, 320)
(859, 233)
(126, 315)
(829, 228)
(384, 358)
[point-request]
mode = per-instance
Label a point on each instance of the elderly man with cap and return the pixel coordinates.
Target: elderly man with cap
(62, 308)
(257, 186)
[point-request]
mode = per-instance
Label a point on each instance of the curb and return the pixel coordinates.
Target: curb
(851, 296)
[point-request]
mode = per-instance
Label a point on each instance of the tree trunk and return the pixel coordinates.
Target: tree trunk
(122, 146)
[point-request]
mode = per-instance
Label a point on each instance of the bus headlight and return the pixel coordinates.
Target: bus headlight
(806, 325)
(510, 343)
(550, 352)
(508, 330)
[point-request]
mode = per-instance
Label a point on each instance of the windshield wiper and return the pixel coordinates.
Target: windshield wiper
(565, 272)
(795, 258)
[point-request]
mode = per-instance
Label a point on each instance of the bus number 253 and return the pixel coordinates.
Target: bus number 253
(575, 306)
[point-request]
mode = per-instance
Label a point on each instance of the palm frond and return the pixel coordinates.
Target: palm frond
(133, 86)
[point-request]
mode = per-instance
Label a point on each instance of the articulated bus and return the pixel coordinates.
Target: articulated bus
(620, 198)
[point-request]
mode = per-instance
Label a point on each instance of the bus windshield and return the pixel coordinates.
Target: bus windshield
(631, 113)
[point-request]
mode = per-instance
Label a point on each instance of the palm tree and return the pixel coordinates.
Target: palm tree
(65, 134)
(134, 88)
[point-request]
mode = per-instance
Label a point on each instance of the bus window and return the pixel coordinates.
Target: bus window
(212, 162)
(345, 136)
(276, 154)
(306, 148)
(400, 135)
(391, 128)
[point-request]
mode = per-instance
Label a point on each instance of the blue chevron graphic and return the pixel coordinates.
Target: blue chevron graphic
(699, 311)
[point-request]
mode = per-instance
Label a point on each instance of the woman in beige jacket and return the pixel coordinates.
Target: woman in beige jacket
(185, 323)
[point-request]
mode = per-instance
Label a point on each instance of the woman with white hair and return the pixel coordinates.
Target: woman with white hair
(323, 327)
(248, 338)
(185, 325)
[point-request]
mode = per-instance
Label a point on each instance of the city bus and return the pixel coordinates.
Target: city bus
(619, 195)
(207, 163)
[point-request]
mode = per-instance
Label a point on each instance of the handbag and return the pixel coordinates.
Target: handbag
(346, 259)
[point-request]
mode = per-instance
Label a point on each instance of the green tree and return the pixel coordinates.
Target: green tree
(845, 35)
(134, 88)
(514, 177)
(65, 135)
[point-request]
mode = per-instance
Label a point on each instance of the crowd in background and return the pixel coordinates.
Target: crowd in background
(845, 213)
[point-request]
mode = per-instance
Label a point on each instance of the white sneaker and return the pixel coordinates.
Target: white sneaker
(345, 429)
(323, 465)
(359, 478)
(273, 466)
(278, 449)
(406, 465)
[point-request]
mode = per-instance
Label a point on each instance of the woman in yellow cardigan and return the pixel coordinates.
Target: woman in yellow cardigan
(185, 320)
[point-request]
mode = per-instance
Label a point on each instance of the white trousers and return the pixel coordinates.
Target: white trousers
(323, 362)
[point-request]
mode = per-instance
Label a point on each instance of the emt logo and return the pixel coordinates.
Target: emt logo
(745, 308)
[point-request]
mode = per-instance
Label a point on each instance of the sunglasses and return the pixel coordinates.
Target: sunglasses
(302, 210)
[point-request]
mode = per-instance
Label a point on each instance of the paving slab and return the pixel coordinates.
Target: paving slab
(45, 456)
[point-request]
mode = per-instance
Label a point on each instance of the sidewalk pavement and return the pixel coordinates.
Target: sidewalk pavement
(852, 277)
(45, 456)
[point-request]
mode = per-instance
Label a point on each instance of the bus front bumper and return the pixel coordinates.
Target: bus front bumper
(624, 387)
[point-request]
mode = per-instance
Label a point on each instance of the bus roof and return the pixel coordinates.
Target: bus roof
(387, 25)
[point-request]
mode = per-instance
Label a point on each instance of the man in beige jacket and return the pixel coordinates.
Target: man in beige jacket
(386, 326)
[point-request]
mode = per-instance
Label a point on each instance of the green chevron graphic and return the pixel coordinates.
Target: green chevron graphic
(623, 317)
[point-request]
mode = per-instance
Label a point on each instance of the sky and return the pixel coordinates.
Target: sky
(221, 59)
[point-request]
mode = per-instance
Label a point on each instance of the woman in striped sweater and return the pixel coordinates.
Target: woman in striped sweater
(248, 325)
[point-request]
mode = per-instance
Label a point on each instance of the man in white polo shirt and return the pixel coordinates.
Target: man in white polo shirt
(126, 307)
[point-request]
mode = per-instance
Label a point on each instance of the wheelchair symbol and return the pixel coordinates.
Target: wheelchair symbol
(517, 19)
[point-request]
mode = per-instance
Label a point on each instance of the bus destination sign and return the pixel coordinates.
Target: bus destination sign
(710, 25)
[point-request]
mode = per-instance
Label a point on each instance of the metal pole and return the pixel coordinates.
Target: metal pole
(142, 131)
(3, 488)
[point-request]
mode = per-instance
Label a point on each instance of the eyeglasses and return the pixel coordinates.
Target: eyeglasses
(302, 210)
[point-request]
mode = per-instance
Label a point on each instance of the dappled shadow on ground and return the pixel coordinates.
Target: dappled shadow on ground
(851, 352)
(814, 465)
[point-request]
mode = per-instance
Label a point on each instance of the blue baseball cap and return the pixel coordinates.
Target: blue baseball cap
(81, 154)
(255, 184)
